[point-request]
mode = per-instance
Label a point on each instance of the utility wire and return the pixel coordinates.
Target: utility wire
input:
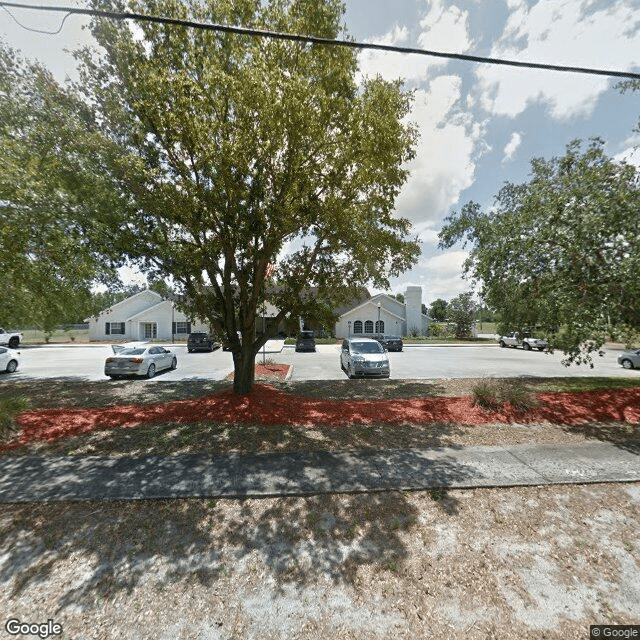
(277, 35)
(24, 26)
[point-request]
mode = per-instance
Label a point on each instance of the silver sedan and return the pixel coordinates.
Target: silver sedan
(630, 359)
(139, 361)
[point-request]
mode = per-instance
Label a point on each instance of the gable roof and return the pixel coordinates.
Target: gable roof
(151, 308)
(372, 301)
(127, 300)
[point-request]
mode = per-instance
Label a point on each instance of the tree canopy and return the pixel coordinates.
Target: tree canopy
(50, 187)
(560, 252)
(439, 310)
(254, 168)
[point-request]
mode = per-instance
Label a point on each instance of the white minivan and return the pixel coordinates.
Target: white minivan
(364, 357)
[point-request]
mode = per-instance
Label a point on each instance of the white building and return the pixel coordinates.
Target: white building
(143, 316)
(382, 313)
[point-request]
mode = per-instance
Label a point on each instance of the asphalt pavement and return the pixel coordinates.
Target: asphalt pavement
(86, 362)
(56, 478)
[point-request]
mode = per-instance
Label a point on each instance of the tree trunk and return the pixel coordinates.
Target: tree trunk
(244, 372)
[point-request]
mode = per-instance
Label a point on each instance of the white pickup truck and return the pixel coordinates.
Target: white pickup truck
(525, 340)
(11, 338)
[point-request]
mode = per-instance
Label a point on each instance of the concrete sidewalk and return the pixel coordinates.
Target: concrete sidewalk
(51, 478)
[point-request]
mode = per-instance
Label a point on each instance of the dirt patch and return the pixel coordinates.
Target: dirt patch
(526, 563)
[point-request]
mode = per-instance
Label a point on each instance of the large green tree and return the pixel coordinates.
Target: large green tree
(560, 251)
(439, 310)
(50, 188)
(243, 155)
(462, 311)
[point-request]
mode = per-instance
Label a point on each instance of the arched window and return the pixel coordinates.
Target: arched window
(379, 326)
(357, 326)
(368, 326)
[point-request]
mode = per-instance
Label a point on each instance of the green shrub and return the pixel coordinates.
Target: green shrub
(488, 395)
(440, 330)
(494, 394)
(520, 398)
(9, 408)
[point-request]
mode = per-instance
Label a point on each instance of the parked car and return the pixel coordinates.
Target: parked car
(9, 359)
(144, 360)
(525, 340)
(364, 357)
(225, 343)
(306, 341)
(200, 341)
(10, 338)
(630, 359)
(390, 343)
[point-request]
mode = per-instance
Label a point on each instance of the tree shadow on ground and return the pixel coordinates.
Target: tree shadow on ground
(213, 438)
(117, 546)
(362, 389)
(623, 435)
(71, 392)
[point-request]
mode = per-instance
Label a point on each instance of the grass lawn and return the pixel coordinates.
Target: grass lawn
(37, 336)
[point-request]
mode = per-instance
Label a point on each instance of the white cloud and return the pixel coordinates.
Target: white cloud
(444, 165)
(445, 29)
(426, 232)
(566, 32)
(630, 152)
(443, 276)
(512, 146)
(441, 29)
(391, 66)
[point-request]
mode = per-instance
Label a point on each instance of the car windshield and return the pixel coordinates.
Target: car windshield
(366, 347)
(306, 335)
(132, 351)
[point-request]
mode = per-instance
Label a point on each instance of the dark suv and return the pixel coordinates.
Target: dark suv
(306, 341)
(201, 342)
(390, 343)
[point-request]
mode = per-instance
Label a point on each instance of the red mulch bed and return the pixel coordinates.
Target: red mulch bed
(268, 406)
(269, 372)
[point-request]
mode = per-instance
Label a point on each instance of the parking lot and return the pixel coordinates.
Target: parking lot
(415, 362)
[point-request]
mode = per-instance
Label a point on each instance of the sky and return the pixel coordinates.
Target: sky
(480, 125)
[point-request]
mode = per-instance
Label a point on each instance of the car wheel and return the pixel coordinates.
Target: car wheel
(502, 344)
(151, 371)
(14, 343)
(174, 363)
(527, 346)
(627, 364)
(189, 350)
(12, 365)
(350, 375)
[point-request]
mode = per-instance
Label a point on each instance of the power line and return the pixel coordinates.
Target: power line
(277, 35)
(24, 26)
